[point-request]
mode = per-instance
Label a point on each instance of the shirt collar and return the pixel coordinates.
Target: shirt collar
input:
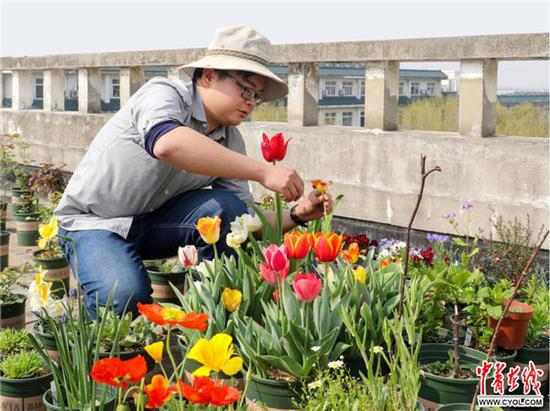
(197, 111)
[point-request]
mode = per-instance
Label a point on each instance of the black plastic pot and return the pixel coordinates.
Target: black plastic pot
(160, 282)
(278, 395)
(13, 315)
(26, 225)
(24, 394)
(4, 248)
(101, 390)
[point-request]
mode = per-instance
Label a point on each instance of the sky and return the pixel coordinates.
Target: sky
(45, 27)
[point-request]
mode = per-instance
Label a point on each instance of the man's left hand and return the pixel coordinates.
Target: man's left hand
(314, 206)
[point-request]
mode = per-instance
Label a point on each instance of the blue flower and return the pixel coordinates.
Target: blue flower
(437, 237)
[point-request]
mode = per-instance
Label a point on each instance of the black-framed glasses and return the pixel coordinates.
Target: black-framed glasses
(248, 93)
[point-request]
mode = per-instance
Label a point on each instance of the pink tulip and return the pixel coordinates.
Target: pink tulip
(188, 255)
(277, 264)
(307, 286)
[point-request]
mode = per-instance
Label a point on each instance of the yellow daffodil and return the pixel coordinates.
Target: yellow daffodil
(360, 274)
(209, 229)
(215, 355)
(47, 232)
(155, 350)
(231, 299)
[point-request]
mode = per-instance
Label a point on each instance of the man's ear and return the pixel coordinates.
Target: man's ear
(207, 77)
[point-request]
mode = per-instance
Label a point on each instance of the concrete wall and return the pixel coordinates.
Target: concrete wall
(378, 172)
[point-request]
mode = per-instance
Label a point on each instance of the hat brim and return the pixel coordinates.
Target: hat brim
(274, 88)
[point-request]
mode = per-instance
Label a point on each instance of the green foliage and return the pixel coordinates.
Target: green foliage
(270, 112)
(10, 278)
(13, 341)
(25, 364)
(524, 119)
(164, 266)
(539, 299)
(47, 179)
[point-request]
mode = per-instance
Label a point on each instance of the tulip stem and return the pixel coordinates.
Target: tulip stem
(307, 325)
(279, 218)
(215, 259)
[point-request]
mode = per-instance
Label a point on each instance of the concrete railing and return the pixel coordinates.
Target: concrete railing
(376, 170)
(478, 56)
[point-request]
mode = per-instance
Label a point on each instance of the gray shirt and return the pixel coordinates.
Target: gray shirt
(117, 179)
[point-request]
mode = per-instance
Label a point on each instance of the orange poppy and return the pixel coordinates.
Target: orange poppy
(158, 391)
(116, 372)
(173, 316)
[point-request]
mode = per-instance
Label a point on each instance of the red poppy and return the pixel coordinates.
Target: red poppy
(274, 148)
(327, 246)
(158, 391)
(297, 244)
(173, 316)
(116, 372)
(208, 391)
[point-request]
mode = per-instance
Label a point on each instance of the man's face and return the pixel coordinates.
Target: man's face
(223, 96)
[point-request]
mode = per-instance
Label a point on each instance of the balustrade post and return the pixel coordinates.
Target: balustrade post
(131, 79)
(303, 94)
(89, 90)
(382, 95)
(54, 90)
(22, 89)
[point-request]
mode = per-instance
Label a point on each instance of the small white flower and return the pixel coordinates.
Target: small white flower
(335, 364)
(377, 349)
(315, 348)
(341, 357)
(235, 238)
(315, 384)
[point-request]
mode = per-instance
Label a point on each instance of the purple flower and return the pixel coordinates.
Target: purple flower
(467, 206)
(64, 317)
(72, 292)
(449, 215)
(437, 237)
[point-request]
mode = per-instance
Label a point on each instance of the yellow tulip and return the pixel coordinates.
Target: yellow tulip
(155, 350)
(209, 229)
(47, 232)
(360, 274)
(215, 355)
(231, 299)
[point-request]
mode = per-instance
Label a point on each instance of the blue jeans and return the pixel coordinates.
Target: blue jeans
(108, 262)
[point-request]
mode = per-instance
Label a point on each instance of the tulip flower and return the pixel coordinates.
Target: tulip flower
(307, 286)
(327, 246)
(274, 148)
(360, 274)
(321, 186)
(235, 238)
(215, 355)
(231, 299)
(351, 255)
(297, 244)
(47, 232)
(276, 266)
(188, 255)
(208, 391)
(118, 373)
(172, 316)
(155, 350)
(158, 391)
(209, 229)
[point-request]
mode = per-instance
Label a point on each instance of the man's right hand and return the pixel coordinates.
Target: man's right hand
(283, 180)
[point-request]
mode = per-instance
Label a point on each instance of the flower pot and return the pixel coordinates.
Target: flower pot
(56, 271)
(511, 335)
(13, 315)
(26, 225)
(102, 392)
(160, 282)
(356, 365)
(275, 395)
(47, 341)
(435, 389)
(24, 394)
(126, 355)
(458, 406)
(3, 215)
(18, 195)
(4, 248)
(444, 335)
(540, 357)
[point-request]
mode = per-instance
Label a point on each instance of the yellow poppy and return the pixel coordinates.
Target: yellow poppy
(155, 350)
(209, 229)
(215, 355)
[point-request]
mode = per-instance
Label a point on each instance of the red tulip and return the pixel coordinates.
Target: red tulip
(277, 264)
(297, 244)
(307, 286)
(327, 246)
(274, 148)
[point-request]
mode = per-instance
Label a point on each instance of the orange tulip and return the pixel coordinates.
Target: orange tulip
(297, 244)
(172, 316)
(384, 263)
(327, 246)
(320, 185)
(209, 229)
(351, 255)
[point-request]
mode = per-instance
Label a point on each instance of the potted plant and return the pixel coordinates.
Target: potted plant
(23, 380)
(12, 303)
(4, 248)
(13, 341)
(50, 259)
(163, 273)
(27, 220)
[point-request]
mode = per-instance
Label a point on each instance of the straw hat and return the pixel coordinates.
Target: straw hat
(241, 48)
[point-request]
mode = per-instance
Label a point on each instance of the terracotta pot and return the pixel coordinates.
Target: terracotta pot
(511, 335)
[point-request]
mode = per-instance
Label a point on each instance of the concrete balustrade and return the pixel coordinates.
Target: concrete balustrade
(22, 89)
(131, 79)
(89, 90)
(54, 90)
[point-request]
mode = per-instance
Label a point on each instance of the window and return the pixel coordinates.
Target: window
(330, 119)
(401, 88)
(347, 88)
(116, 87)
(347, 118)
(39, 88)
(415, 89)
(330, 88)
(362, 122)
(363, 88)
(430, 89)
